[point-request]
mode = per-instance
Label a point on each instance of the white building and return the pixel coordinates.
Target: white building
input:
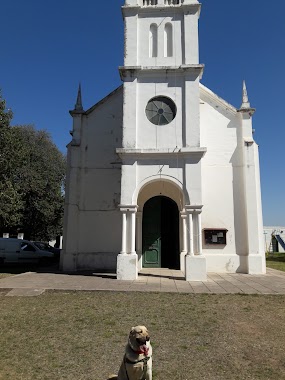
(162, 172)
(274, 239)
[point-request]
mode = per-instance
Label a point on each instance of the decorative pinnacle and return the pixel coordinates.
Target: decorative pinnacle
(245, 107)
(78, 106)
(245, 102)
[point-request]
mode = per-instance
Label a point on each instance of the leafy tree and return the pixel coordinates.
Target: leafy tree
(5, 115)
(10, 200)
(31, 181)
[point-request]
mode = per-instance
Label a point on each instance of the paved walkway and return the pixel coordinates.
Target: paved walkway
(150, 280)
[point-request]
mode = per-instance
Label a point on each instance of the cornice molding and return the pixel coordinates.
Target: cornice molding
(247, 111)
(193, 209)
(193, 8)
(128, 208)
(161, 153)
(131, 71)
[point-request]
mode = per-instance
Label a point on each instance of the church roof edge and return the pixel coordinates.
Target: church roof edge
(217, 99)
(102, 101)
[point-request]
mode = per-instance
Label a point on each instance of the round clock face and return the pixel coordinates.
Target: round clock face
(160, 110)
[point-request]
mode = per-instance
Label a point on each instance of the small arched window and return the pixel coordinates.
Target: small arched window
(168, 40)
(153, 40)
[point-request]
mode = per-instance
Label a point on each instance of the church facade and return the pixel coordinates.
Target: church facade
(163, 172)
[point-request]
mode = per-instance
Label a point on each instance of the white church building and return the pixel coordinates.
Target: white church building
(163, 173)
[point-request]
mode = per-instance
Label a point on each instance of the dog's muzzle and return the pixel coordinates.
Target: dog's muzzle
(142, 341)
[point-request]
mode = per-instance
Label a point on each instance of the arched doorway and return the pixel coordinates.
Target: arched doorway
(160, 234)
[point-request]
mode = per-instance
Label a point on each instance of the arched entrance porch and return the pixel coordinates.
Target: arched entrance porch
(135, 244)
(159, 227)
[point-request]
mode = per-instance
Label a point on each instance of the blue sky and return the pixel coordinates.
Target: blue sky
(48, 47)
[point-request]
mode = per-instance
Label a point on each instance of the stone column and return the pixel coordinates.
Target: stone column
(184, 232)
(127, 259)
(124, 232)
(195, 262)
(133, 231)
(197, 232)
(190, 232)
(139, 238)
(184, 239)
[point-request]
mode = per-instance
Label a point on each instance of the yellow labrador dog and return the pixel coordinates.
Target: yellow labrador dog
(137, 362)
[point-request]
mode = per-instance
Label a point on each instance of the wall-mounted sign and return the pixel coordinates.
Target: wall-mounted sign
(215, 236)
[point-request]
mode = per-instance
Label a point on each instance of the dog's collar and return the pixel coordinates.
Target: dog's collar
(145, 360)
(142, 352)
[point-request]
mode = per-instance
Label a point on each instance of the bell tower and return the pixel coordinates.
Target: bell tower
(161, 32)
(161, 117)
(161, 47)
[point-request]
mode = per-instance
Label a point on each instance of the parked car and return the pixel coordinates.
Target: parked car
(23, 251)
(46, 247)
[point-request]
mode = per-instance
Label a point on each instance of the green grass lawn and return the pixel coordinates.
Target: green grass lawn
(276, 261)
(81, 335)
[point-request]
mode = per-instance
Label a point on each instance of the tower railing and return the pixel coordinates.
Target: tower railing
(147, 3)
(173, 2)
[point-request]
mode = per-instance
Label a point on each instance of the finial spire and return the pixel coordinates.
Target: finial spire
(245, 107)
(245, 102)
(78, 106)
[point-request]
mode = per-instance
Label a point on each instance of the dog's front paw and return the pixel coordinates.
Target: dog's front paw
(112, 377)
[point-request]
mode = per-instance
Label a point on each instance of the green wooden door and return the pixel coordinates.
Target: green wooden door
(152, 233)
(160, 246)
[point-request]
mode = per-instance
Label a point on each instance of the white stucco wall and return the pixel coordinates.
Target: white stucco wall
(93, 225)
(160, 19)
(155, 136)
(95, 230)
(222, 184)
